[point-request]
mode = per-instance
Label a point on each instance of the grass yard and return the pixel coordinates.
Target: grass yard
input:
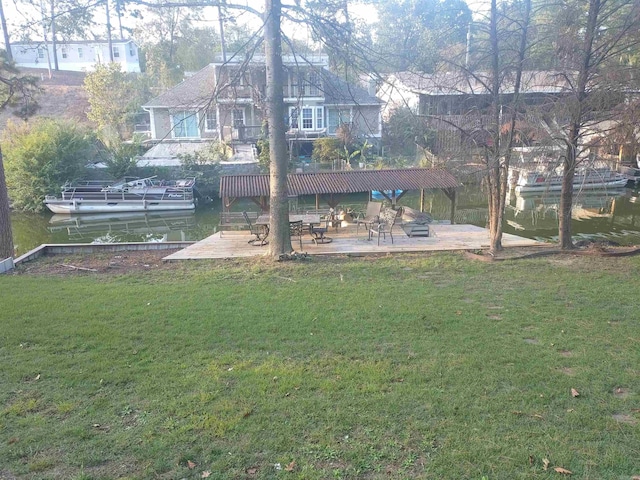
(432, 367)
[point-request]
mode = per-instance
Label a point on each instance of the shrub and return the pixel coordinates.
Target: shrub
(327, 149)
(42, 156)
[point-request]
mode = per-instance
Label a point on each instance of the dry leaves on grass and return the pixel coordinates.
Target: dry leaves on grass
(190, 465)
(563, 471)
(545, 463)
(574, 393)
(252, 470)
(291, 467)
(205, 474)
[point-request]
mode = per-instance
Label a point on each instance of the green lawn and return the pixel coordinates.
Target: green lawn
(400, 367)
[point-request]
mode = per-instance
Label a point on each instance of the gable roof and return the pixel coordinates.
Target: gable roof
(459, 83)
(199, 89)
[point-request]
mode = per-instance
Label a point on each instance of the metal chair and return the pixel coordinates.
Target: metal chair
(318, 232)
(371, 216)
(384, 225)
(296, 230)
(260, 231)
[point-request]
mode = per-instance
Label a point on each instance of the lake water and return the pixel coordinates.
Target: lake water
(613, 215)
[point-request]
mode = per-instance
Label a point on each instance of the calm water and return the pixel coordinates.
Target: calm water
(613, 216)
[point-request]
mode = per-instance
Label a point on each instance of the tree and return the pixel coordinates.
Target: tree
(114, 97)
(43, 155)
(15, 91)
(593, 40)
(411, 33)
(280, 239)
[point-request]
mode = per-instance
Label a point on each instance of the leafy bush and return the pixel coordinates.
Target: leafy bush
(42, 156)
(205, 164)
(327, 149)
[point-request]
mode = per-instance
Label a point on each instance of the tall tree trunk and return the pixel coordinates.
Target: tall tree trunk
(6, 236)
(493, 151)
(577, 114)
(5, 33)
(279, 237)
(223, 45)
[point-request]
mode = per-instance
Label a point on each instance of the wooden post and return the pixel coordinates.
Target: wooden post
(421, 200)
(318, 201)
(453, 207)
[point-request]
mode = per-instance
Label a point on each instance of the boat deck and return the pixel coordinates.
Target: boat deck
(346, 242)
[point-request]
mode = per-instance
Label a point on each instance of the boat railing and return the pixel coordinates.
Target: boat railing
(170, 193)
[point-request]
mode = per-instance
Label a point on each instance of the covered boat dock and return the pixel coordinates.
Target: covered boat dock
(329, 187)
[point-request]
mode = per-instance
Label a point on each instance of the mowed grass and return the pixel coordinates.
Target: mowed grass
(429, 367)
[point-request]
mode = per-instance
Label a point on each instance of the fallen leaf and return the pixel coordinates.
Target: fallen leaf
(563, 471)
(530, 459)
(545, 463)
(635, 477)
(290, 467)
(191, 465)
(205, 474)
(574, 393)
(252, 470)
(37, 377)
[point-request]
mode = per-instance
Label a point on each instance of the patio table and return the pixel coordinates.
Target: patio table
(306, 219)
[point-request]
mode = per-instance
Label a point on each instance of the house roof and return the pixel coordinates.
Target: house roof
(349, 181)
(459, 83)
(198, 90)
(73, 42)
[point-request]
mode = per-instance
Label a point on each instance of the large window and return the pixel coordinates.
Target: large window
(238, 117)
(211, 121)
(306, 118)
(64, 52)
(116, 51)
(185, 125)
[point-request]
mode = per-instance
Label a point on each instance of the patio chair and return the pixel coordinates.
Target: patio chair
(261, 232)
(384, 225)
(318, 231)
(296, 230)
(370, 217)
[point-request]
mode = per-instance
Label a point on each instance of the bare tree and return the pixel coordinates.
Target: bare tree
(592, 48)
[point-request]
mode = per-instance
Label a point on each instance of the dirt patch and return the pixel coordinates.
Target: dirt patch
(531, 341)
(566, 353)
(568, 371)
(564, 257)
(621, 392)
(115, 263)
(624, 418)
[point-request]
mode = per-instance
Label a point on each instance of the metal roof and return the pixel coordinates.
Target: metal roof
(349, 181)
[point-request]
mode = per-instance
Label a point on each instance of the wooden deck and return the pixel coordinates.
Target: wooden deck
(345, 241)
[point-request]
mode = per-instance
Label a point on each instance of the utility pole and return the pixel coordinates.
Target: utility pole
(109, 40)
(223, 46)
(54, 41)
(44, 36)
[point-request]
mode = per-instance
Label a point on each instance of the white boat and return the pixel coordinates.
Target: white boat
(137, 195)
(537, 178)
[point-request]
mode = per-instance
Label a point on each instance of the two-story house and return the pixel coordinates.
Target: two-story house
(77, 55)
(226, 102)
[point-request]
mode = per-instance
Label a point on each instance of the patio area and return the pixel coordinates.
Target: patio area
(346, 241)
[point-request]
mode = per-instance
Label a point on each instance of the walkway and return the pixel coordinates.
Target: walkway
(345, 241)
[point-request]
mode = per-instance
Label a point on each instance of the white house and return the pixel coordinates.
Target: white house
(77, 56)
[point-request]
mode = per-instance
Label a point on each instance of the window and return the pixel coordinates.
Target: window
(80, 54)
(132, 51)
(116, 52)
(238, 117)
(314, 85)
(319, 118)
(64, 52)
(40, 53)
(185, 125)
(307, 118)
(211, 121)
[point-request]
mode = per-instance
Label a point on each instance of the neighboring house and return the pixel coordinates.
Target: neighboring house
(453, 101)
(77, 56)
(226, 101)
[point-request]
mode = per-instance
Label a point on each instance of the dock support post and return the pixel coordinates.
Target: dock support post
(422, 200)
